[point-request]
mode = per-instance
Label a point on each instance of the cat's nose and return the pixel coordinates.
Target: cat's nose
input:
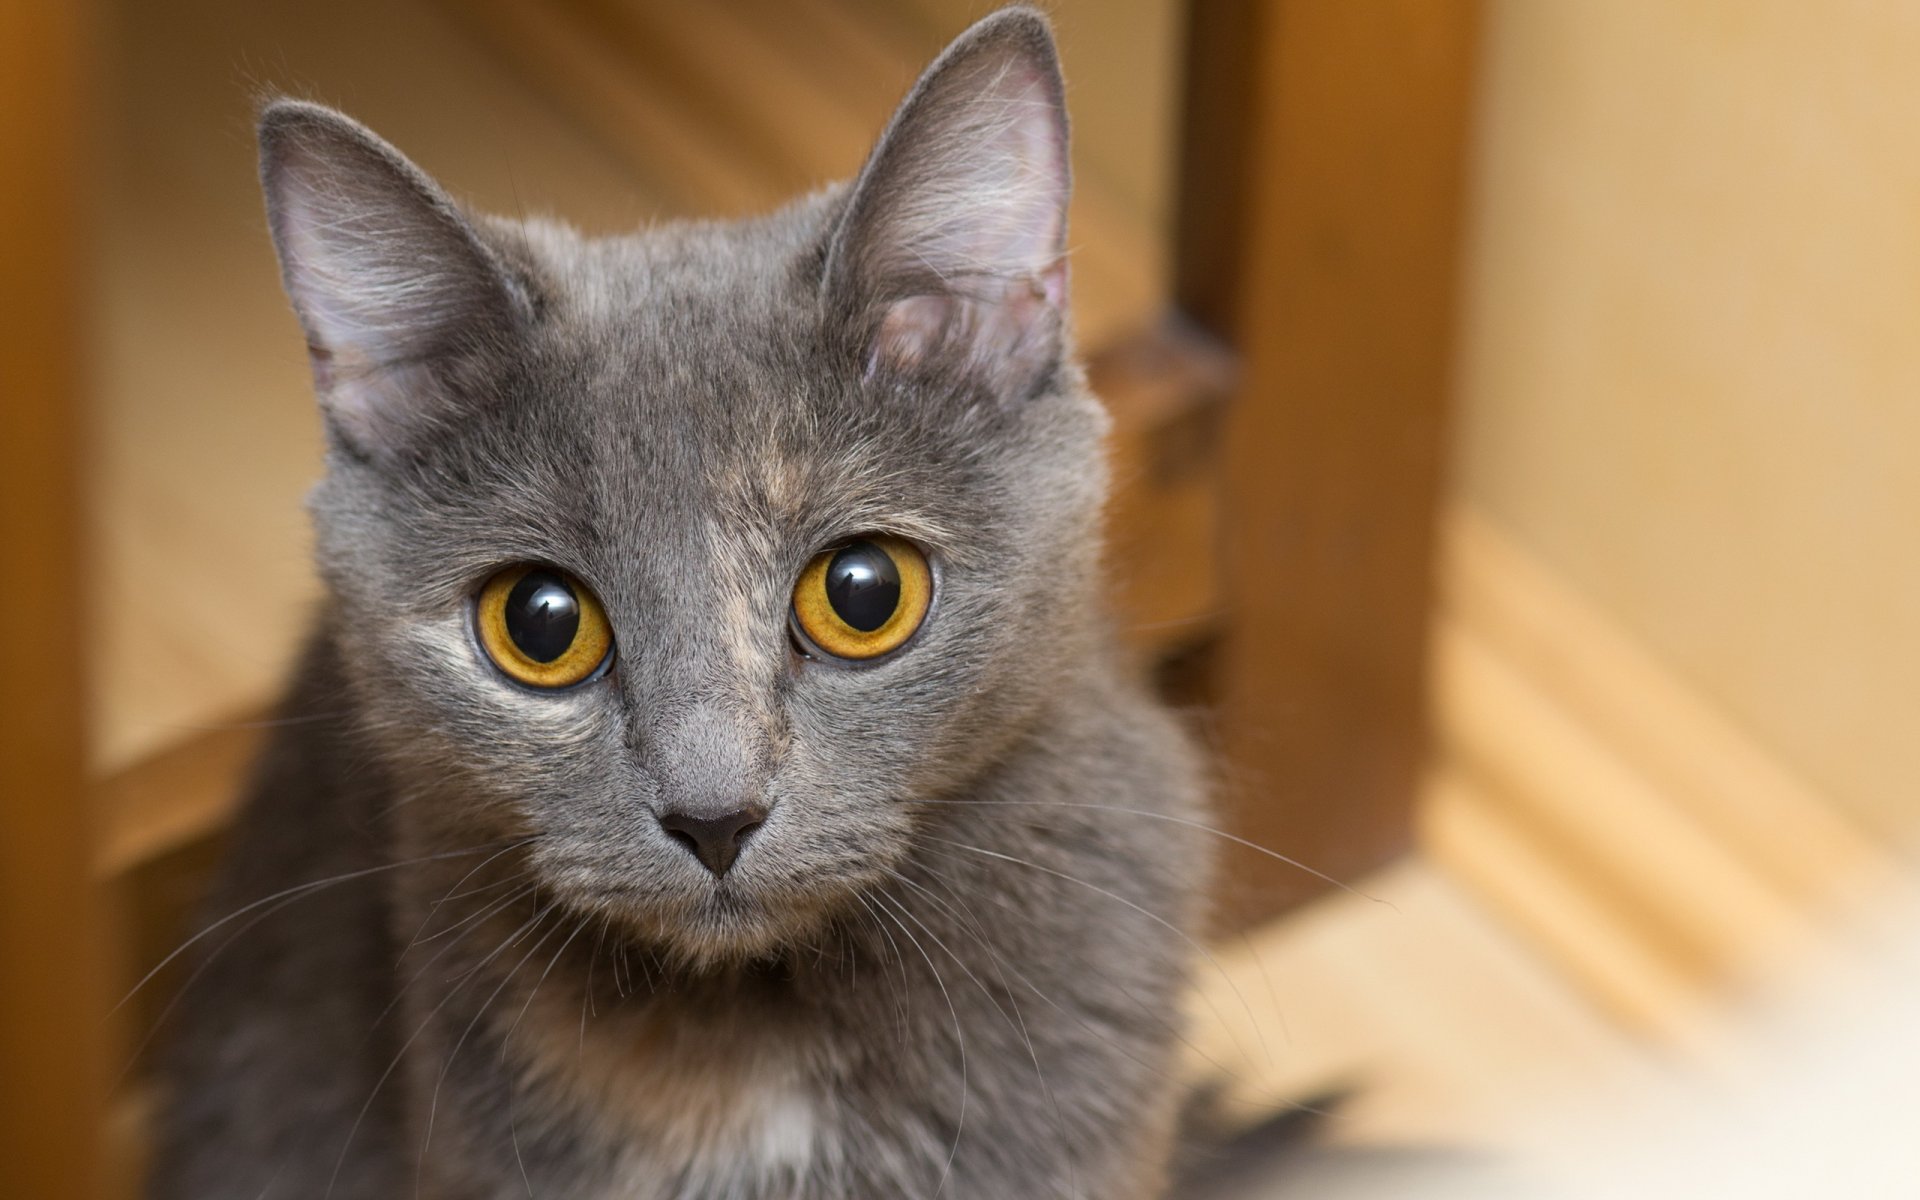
(714, 840)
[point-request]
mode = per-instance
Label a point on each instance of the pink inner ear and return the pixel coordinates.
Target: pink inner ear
(909, 333)
(1052, 282)
(1006, 328)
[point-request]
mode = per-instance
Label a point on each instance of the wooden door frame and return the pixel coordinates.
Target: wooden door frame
(54, 1043)
(1320, 211)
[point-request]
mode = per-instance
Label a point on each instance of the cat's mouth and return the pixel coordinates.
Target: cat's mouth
(726, 921)
(771, 901)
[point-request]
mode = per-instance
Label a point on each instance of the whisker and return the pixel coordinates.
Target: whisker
(513, 1094)
(1273, 993)
(1172, 1028)
(299, 889)
(899, 1002)
(180, 994)
(586, 993)
(620, 977)
(513, 1135)
(433, 1104)
(401, 1054)
(579, 924)
(518, 877)
(461, 882)
(472, 922)
(1246, 939)
(957, 960)
(1187, 822)
(970, 926)
(960, 1039)
(1151, 916)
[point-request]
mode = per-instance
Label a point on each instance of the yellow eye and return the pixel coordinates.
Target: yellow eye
(863, 599)
(543, 627)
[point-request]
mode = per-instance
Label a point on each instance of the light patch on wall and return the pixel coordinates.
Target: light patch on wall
(1690, 363)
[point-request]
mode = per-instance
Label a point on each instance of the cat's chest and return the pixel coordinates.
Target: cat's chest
(728, 1102)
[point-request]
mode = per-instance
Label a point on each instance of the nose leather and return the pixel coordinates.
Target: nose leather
(713, 839)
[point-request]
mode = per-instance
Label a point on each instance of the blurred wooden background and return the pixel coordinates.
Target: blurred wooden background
(1516, 450)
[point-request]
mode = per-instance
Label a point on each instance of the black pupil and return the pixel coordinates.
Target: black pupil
(543, 615)
(863, 585)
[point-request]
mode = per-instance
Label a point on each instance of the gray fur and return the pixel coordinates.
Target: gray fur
(951, 963)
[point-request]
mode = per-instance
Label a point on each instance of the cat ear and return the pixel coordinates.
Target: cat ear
(389, 279)
(951, 252)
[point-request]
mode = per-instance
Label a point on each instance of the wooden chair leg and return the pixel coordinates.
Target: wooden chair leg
(1319, 232)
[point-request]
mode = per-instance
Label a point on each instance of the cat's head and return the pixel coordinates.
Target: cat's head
(693, 554)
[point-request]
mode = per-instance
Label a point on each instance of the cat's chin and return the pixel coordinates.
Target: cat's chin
(727, 927)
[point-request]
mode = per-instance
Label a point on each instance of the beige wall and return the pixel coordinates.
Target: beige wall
(1122, 60)
(1691, 377)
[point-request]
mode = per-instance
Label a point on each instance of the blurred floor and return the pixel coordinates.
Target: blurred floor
(1442, 1031)
(1810, 1090)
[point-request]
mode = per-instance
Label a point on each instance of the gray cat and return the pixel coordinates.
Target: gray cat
(710, 774)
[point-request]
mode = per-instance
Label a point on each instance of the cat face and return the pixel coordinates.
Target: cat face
(692, 556)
